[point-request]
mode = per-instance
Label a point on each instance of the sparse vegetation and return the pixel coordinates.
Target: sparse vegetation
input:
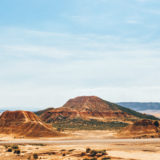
(60, 129)
(35, 156)
(88, 150)
(63, 154)
(106, 158)
(156, 123)
(83, 154)
(38, 144)
(88, 124)
(38, 113)
(9, 149)
(15, 147)
(94, 154)
(17, 151)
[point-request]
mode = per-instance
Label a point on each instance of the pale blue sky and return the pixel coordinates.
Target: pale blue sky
(53, 50)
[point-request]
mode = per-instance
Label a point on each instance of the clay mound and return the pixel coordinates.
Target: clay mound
(26, 124)
(142, 128)
(90, 107)
(90, 103)
(85, 107)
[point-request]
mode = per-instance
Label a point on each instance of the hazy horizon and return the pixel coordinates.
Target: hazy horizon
(36, 108)
(51, 51)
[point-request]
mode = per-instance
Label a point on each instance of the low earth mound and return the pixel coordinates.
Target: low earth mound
(142, 128)
(91, 107)
(25, 124)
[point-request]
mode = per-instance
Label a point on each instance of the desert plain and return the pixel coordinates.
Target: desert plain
(73, 147)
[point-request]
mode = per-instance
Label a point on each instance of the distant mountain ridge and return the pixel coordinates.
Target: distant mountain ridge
(141, 106)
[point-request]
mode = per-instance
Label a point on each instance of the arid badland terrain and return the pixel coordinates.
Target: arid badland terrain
(84, 128)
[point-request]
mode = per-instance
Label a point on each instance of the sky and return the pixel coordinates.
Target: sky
(54, 50)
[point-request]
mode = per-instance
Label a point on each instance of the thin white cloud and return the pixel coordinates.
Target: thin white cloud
(32, 50)
(47, 74)
(132, 21)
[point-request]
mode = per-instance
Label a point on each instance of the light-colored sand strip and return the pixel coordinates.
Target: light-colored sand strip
(51, 141)
(137, 155)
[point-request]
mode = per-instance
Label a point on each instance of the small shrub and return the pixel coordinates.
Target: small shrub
(15, 147)
(9, 150)
(93, 159)
(156, 123)
(103, 152)
(88, 150)
(83, 154)
(63, 154)
(35, 156)
(93, 153)
(106, 158)
(17, 151)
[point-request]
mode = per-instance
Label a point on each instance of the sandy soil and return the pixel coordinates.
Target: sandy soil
(70, 148)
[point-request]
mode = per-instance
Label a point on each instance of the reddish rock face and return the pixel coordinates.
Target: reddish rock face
(24, 123)
(14, 117)
(86, 107)
(142, 128)
(88, 103)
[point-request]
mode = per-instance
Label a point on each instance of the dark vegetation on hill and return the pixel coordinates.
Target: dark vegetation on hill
(80, 124)
(38, 113)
